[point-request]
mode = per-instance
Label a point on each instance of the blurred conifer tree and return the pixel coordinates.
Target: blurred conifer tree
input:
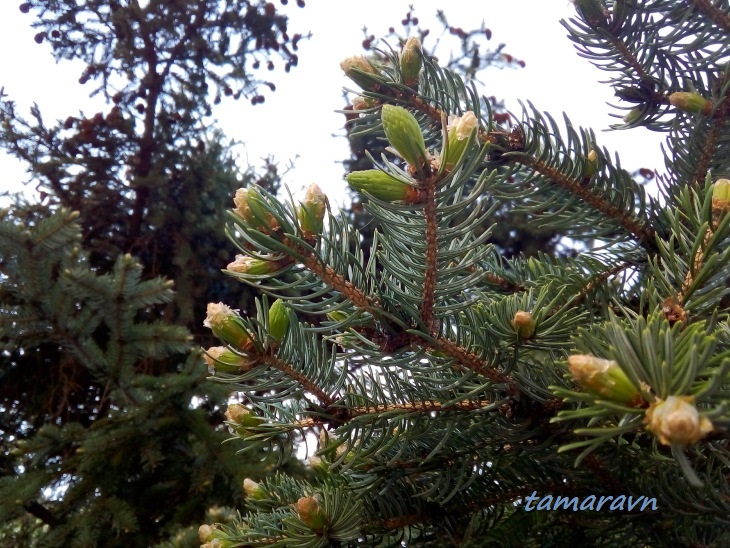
(110, 434)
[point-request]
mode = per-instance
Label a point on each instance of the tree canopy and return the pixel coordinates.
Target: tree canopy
(111, 434)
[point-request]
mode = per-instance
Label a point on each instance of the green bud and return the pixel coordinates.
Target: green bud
(311, 513)
(633, 116)
(594, 12)
(241, 421)
(278, 320)
(227, 325)
(317, 464)
(382, 186)
(253, 490)
(221, 358)
(411, 60)
(220, 542)
(241, 202)
(460, 130)
(604, 378)
(213, 536)
(251, 207)
(404, 133)
(591, 165)
(240, 415)
(676, 421)
(721, 196)
(336, 315)
(311, 212)
(690, 102)
(205, 533)
(364, 103)
(361, 71)
(524, 325)
(252, 266)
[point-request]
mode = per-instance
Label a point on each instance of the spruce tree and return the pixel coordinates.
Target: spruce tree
(451, 395)
(111, 435)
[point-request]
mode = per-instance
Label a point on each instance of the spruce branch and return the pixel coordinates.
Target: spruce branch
(336, 281)
(394, 409)
(709, 146)
(465, 381)
(304, 252)
(307, 384)
(696, 264)
(503, 283)
(597, 280)
(512, 143)
(462, 357)
(642, 233)
(719, 17)
(472, 362)
(431, 513)
(420, 407)
(630, 59)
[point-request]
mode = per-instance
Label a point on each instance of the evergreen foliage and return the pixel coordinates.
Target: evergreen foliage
(470, 54)
(448, 384)
(149, 174)
(111, 436)
(67, 314)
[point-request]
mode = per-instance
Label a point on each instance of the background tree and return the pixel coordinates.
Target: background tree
(456, 394)
(160, 68)
(110, 434)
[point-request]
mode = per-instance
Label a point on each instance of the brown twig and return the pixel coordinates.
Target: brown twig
(338, 282)
(630, 58)
(305, 382)
(474, 363)
(599, 279)
(420, 407)
(719, 120)
(697, 262)
(503, 283)
(610, 484)
(719, 17)
(643, 233)
(335, 280)
(39, 511)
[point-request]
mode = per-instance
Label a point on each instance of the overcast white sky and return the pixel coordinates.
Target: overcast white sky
(298, 120)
